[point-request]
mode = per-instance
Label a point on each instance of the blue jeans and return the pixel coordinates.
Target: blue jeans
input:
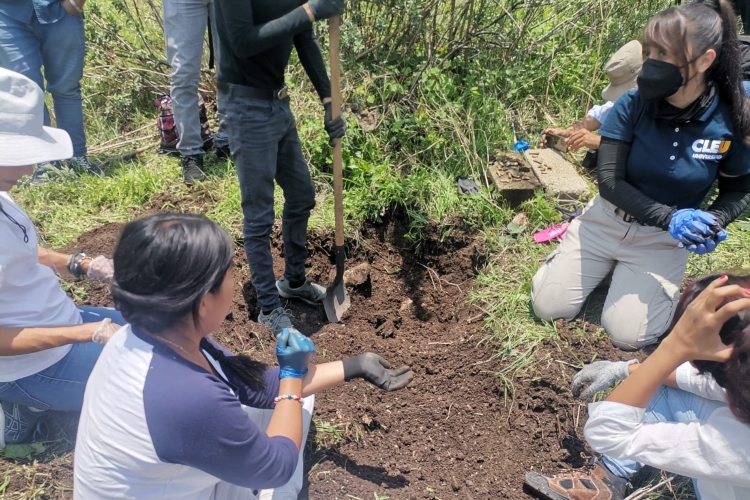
(59, 48)
(185, 24)
(667, 405)
(265, 146)
(60, 387)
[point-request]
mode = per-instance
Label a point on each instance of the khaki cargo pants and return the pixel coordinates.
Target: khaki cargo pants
(647, 267)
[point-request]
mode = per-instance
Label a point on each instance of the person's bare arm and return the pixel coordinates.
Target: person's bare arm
(322, 377)
(16, 341)
(56, 261)
(286, 420)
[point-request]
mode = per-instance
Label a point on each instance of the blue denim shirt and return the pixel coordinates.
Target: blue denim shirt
(47, 11)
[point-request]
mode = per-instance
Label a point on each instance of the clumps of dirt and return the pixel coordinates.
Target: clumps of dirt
(458, 431)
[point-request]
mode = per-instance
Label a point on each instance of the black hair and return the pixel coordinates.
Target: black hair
(708, 24)
(734, 375)
(164, 265)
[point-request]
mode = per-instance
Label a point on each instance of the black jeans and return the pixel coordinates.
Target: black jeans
(265, 147)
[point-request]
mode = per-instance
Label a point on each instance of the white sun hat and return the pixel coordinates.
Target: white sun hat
(24, 140)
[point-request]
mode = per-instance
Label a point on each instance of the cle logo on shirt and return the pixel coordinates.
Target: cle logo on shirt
(707, 149)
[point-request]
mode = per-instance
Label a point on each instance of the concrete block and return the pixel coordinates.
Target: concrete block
(513, 178)
(557, 175)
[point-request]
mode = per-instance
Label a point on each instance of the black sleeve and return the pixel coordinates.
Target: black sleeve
(611, 169)
(312, 60)
(733, 199)
(234, 21)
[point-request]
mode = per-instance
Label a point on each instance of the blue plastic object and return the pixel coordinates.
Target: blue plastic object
(521, 146)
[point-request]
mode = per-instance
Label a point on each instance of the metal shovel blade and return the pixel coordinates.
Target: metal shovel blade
(336, 301)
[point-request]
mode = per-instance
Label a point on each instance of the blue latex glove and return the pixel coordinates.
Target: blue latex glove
(691, 227)
(521, 146)
(710, 244)
(294, 352)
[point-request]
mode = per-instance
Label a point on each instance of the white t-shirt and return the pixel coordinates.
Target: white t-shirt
(599, 113)
(716, 451)
(30, 295)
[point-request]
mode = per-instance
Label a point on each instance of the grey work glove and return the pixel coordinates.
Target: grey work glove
(101, 268)
(324, 9)
(376, 370)
(599, 376)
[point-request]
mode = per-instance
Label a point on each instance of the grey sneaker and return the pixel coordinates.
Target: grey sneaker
(278, 320)
(309, 292)
(82, 165)
(18, 423)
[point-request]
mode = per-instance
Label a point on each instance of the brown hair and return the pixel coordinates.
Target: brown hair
(734, 375)
(710, 24)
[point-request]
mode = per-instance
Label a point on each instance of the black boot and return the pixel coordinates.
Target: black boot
(192, 169)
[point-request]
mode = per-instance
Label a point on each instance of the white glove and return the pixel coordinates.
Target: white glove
(101, 268)
(599, 376)
(104, 331)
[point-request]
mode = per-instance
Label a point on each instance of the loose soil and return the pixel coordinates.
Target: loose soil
(456, 432)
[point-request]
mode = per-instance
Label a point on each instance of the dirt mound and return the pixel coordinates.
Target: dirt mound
(457, 432)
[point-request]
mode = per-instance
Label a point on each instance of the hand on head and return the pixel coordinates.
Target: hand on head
(696, 334)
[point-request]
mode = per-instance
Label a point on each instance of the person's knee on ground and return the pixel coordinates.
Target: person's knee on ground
(552, 300)
(631, 329)
(637, 318)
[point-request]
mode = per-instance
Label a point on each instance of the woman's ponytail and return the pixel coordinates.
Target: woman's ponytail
(251, 372)
(727, 72)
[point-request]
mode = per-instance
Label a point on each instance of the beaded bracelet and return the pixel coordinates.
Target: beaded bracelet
(288, 397)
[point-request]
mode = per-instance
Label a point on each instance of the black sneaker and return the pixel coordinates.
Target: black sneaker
(222, 152)
(44, 170)
(82, 165)
(192, 169)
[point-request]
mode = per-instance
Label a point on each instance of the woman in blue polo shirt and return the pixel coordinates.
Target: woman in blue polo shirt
(663, 146)
(168, 413)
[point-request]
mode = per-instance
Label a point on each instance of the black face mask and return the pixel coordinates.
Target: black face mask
(658, 80)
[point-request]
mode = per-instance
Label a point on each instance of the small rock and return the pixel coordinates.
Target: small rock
(406, 304)
(521, 219)
(357, 275)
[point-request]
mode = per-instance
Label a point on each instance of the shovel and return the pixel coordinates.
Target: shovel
(336, 301)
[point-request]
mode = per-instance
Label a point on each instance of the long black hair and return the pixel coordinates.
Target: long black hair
(707, 24)
(734, 375)
(164, 265)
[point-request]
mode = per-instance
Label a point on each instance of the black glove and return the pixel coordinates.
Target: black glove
(466, 185)
(376, 370)
(335, 128)
(323, 9)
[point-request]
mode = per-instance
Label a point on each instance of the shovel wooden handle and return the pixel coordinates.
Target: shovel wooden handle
(338, 171)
